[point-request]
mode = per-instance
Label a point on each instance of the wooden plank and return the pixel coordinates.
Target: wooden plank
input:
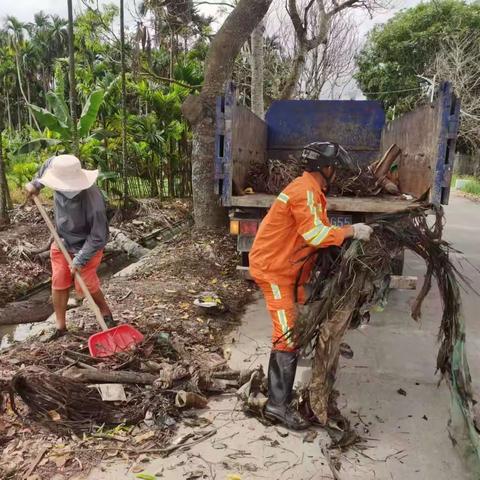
(258, 200)
(403, 282)
(249, 145)
(416, 133)
(334, 204)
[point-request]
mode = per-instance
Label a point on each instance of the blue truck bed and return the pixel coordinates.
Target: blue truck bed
(426, 137)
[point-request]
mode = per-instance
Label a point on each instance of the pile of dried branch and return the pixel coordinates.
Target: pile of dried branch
(157, 370)
(274, 175)
(350, 280)
(60, 402)
(362, 183)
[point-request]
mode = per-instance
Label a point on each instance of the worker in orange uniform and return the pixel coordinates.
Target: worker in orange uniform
(295, 226)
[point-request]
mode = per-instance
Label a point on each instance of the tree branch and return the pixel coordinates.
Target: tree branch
(307, 9)
(300, 29)
(343, 6)
(149, 73)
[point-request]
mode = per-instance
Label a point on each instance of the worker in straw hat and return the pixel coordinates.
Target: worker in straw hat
(295, 226)
(81, 222)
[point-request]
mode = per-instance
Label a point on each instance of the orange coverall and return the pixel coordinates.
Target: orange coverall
(295, 226)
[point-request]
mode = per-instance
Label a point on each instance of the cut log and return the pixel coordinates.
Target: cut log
(383, 166)
(28, 311)
(119, 241)
(109, 376)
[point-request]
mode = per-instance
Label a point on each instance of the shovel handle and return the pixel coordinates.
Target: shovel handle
(91, 302)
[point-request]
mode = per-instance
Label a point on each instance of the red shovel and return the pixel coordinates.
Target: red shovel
(111, 340)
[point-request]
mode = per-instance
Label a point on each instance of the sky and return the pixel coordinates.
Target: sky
(25, 9)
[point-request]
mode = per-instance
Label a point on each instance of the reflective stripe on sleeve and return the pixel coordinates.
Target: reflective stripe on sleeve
(319, 232)
(283, 197)
(316, 235)
(321, 236)
(311, 206)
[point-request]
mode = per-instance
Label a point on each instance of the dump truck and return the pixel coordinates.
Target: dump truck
(426, 137)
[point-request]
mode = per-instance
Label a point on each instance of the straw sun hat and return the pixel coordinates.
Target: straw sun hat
(65, 174)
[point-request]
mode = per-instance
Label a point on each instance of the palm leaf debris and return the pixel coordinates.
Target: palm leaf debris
(349, 281)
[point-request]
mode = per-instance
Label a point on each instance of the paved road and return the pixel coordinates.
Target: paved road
(407, 434)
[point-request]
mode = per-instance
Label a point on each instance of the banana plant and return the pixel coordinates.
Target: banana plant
(58, 124)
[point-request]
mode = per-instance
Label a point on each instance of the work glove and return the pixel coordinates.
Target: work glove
(362, 231)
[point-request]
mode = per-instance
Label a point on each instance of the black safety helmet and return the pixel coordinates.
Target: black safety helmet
(318, 155)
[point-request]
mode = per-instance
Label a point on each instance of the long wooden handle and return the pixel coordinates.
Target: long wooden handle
(91, 302)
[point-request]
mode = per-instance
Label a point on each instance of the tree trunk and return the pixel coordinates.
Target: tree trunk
(161, 179)
(4, 195)
(200, 110)
(124, 106)
(29, 102)
(119, 241)
(71, 80)
(20, 85)
(153, 178)
(171, 173)
(172, 56)
(293, 78)
(257, 70)
(19, 114)
(28, 311)
(9, 113)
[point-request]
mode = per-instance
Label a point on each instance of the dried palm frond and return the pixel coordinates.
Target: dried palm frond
(350, 280)
(64, 404)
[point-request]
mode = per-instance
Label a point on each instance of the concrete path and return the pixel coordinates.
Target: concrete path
(407, 433)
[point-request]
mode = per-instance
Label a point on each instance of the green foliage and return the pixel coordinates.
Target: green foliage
(57, 104)
(59, 122)
(90, 112)
(49, 120)
(158, 139)
(21, 173)
(396, 52)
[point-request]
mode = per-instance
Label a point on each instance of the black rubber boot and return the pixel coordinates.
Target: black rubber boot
(281, 375)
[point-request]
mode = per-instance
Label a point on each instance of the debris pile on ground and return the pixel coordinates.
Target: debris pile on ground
(46, 386)
(18, 270)
(24, 243)
(147, 215)
(348, 282)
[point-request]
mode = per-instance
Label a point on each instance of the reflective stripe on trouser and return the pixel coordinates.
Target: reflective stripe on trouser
(280, 300)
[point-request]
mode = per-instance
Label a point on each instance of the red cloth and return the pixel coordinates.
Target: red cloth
(62, 277)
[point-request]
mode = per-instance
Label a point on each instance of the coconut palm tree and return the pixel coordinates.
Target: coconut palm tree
(16, 31)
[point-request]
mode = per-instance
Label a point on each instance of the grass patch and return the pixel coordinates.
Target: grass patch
(18, 195)
(472, 186)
